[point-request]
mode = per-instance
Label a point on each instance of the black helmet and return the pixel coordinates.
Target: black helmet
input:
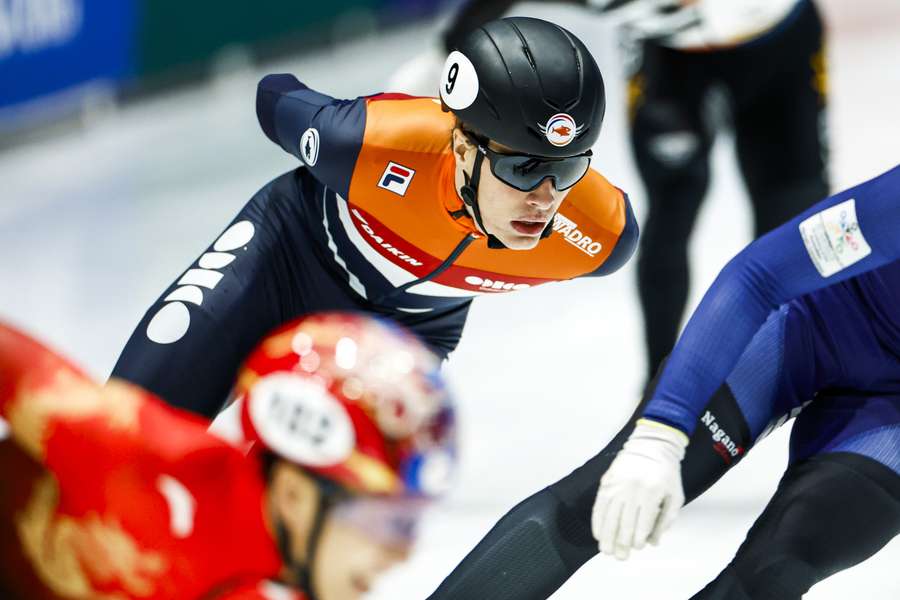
(527, 84)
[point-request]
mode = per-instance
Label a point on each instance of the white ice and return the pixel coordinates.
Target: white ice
(96, 223)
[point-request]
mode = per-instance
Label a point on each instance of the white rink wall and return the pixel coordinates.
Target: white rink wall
(96, 222)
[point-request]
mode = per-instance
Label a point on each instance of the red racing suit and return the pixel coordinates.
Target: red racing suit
(110, 494)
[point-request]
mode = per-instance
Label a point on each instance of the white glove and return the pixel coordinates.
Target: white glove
(641, 493)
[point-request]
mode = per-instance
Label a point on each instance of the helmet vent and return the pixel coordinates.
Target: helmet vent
(526, 50)
(579, 69)
(490, 105)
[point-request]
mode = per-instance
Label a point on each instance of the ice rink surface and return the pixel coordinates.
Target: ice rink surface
(95, 223)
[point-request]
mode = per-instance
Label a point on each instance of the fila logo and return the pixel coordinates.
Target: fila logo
(488, 285)
(569, 230)
(396, 178)
(171, 322)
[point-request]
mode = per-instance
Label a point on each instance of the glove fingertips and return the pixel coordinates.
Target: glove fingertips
(598, 516)
(646, 518)
(627, 525)
(668, 513)
(610, 527)
(671, 506)
(656, 534)
(656, 526)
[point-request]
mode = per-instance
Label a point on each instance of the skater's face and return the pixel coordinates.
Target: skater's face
(515, 217)
(293, 503)
(359, 540)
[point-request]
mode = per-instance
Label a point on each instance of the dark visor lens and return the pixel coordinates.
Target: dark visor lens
(525, 173)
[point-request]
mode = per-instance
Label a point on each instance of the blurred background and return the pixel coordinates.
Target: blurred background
(128, 140)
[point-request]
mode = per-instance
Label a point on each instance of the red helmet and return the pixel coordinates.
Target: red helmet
(354, 400)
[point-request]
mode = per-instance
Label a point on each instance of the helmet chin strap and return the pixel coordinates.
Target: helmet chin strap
(329, 495)
(469, 193)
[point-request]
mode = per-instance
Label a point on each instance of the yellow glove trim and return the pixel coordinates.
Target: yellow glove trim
(650, 422)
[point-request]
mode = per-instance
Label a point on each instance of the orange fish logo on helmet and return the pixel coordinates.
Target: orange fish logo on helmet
(560, 129)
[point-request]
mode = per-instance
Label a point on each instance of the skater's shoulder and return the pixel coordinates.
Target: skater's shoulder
(599, 201)
(404, 123)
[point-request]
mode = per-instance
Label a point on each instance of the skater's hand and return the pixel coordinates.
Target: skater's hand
(641, 493)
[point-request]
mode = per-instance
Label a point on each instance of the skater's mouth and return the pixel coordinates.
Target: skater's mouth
(360, 584)
(529, 227)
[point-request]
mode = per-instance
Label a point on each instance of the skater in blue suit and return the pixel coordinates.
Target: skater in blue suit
(805, 323)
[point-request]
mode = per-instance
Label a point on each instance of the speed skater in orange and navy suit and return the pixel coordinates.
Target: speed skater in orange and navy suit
(402, 206)
(344, 432)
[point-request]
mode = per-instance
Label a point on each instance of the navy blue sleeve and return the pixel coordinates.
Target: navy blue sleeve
(625, 246)
(848, 234)
(324, 133)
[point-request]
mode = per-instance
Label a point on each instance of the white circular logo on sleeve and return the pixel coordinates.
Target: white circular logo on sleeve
(299, 420)
(309, 147)
(459, 81)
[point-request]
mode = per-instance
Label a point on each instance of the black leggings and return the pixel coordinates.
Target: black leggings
(830, 512)
(541, 542)
(776, 88)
